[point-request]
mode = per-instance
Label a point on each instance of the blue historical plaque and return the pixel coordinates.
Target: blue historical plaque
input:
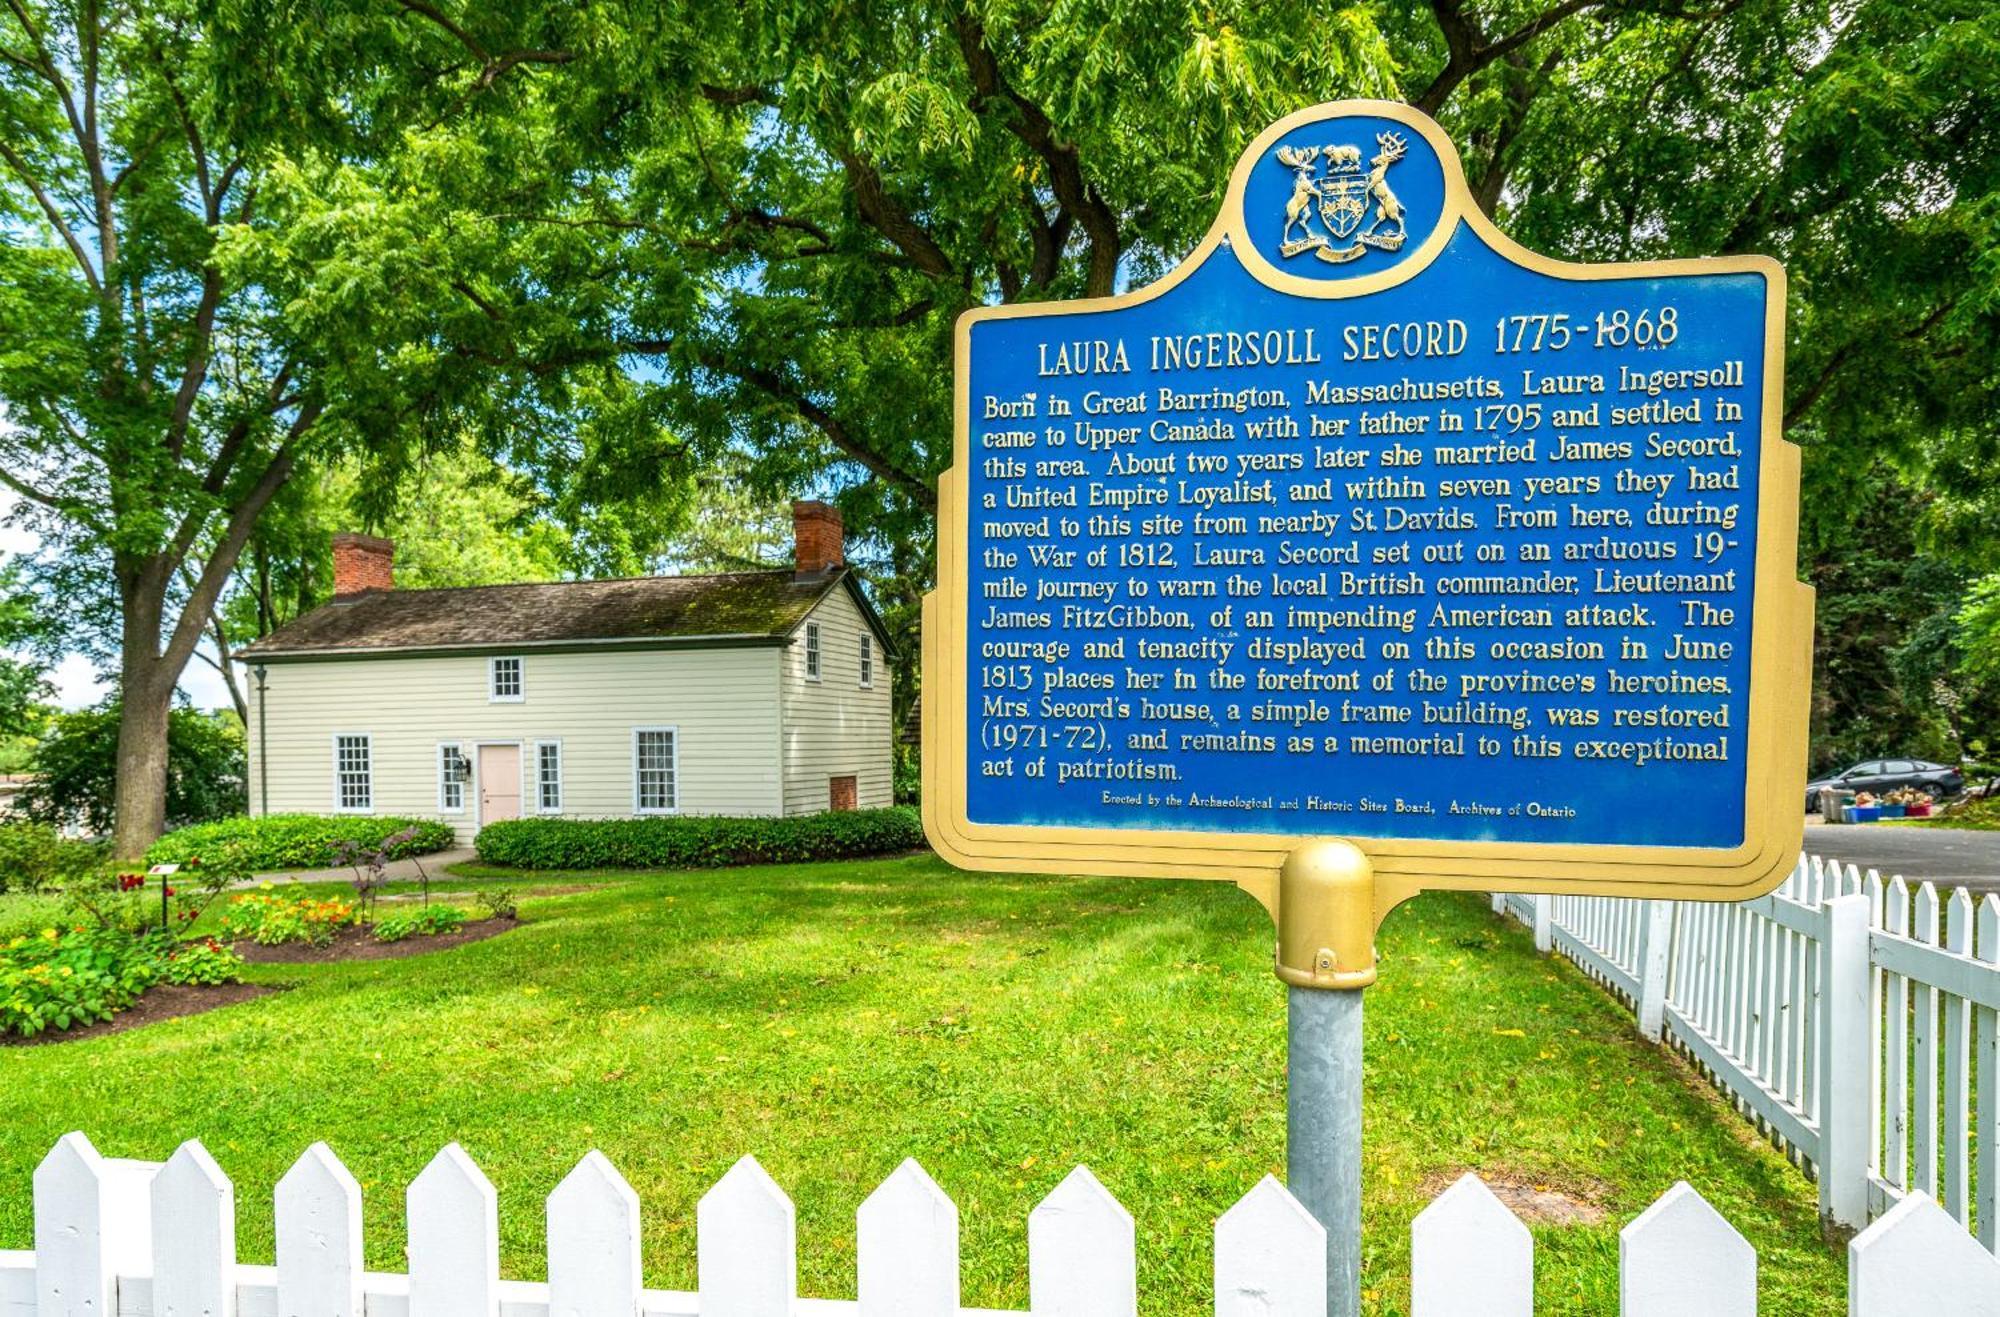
(1368, 523)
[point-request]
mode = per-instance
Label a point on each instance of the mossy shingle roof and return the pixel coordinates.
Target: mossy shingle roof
(746, 606)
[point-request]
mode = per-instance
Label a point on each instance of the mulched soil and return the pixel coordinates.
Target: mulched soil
(164, 1002)
(356, 943)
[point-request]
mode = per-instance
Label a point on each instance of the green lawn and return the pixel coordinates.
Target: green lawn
(833, 1019)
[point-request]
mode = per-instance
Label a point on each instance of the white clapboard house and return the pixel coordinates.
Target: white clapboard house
(744, 693)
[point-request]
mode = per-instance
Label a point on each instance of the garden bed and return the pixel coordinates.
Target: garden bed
(357, 942)
(164, 1001)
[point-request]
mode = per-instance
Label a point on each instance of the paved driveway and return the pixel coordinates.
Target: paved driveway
(1961, 859)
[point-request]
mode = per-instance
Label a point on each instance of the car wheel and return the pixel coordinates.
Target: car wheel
(1934, 791)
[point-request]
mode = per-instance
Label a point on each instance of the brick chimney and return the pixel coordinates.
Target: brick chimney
(818, 541)
(362, 563)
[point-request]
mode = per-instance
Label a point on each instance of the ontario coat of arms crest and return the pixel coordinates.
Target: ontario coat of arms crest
(1341, 198)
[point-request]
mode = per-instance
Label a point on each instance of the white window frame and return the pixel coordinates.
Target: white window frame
(367, 740)
(867, 661)
(674, 767)
(535, 773)
(493, 695)
(464, 784)
(813, 663)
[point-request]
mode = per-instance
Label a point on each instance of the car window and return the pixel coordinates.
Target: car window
(1872, 768)
(1905, 766)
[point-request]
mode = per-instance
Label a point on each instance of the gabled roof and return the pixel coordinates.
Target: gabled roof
(730, 608)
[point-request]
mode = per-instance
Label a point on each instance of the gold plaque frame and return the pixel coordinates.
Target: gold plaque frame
(1781, 631)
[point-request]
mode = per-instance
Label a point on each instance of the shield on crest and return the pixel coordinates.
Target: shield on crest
(1343, 201)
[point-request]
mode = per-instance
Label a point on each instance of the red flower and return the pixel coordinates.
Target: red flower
(170, 891)
(130, 881)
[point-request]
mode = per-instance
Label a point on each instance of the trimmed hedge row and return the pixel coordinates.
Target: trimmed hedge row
(297, 841)
(698, 843)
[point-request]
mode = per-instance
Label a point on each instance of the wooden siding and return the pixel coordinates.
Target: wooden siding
(835, 726)
(724, 702)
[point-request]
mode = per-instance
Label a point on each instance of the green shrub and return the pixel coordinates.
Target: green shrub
(202, 960)
(34, 857)
(65, 978)
(498, 903)
(271, 918)
(698, 843)
(424, 921)
(298, 841)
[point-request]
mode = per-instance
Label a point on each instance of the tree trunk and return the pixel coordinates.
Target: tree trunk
(145, 697)
(141, 807)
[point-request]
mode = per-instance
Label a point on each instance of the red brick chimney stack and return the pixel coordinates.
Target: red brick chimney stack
(362, 563)
(818, 540)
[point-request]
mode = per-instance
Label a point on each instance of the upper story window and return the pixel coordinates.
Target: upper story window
(812, 651)
(503, 681)
(353, 773)
(867, 660)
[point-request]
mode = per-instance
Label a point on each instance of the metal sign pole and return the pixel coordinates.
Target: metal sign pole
(1326, 956)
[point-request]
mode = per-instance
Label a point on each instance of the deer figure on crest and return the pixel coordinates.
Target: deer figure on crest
(1298, 211)
(1388, 210)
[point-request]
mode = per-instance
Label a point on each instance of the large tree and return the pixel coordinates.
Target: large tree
(221, 261)
(788, 202)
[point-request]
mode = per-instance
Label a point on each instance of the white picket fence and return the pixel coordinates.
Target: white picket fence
(120, 1238)
(1856, 1021)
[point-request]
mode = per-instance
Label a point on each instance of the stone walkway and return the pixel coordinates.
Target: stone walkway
(398, 871)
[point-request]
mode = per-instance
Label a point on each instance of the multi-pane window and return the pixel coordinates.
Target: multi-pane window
(812, 651)
(867, 660)
(454, 771)
(353, 772)
(504, 680)
(655, 788)
(548, 777)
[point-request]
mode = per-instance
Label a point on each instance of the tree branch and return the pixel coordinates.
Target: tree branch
(885, 216)
(826, 423)
(1037, 131)
(55, 216)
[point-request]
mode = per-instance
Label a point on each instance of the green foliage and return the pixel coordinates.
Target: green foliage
(275, 842)
(424, 921)
(24, 685)
(908, 776)
(203, 961)
(698, 843)
(497, 902)
(62, 978)
(273, 918)
(35, 857)
(76, 768)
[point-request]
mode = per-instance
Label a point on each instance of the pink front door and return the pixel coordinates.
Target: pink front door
(499, 783)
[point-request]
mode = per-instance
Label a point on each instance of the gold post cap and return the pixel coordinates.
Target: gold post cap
(1326, 917)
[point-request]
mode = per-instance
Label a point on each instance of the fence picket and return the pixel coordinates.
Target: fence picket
(319, 1238)
(194, 1237)
(1681, 1257)
(1957, 1060)
(1470, 1256)
(1918, 1262)
(1987, 1063)
(1082, 1252)
(593, 1238)
(746, 1245)
(73, 1270)
(1924, 1039)
(454, 1234)
(1895, 1155)
(1270, 1256)
(906, 1246)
